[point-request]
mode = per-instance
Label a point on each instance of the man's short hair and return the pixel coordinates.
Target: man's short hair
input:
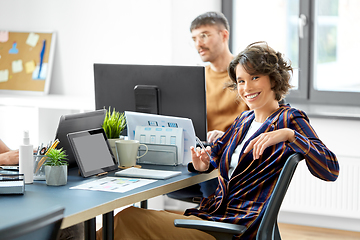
(210, 18)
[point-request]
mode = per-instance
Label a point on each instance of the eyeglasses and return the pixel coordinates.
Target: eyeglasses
(202, 37)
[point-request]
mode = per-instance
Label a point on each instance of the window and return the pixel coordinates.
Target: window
(319, 37)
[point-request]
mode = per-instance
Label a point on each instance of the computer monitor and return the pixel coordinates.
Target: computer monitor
(167, 90)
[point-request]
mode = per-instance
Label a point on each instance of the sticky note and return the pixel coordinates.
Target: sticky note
(17, 66)
(4, 36)
(30, 66)
(14, 50)
(35, 75)
(32, 39)
(4, 75)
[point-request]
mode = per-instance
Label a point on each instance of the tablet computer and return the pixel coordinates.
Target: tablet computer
(74, 123)
(92, 152)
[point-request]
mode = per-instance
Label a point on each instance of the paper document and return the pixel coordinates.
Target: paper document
(114, 184)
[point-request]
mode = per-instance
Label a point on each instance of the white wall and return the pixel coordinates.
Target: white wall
(109, 31)
(313, 202)
(95, 31)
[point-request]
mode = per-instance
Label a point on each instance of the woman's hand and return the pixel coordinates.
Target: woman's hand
(213, 135)
(264, 140)
(200, 159)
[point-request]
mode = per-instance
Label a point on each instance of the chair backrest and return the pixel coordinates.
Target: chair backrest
(268, 228)
(44, 226)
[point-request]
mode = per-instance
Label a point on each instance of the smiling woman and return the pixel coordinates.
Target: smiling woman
(249, 156)
(256, 92)
(260, 59)
(261, 76)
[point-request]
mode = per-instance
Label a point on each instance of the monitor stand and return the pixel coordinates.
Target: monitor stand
(147, 99)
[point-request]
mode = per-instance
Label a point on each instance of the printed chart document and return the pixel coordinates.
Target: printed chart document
(114, 184)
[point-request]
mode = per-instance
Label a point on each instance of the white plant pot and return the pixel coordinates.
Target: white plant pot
(112, 146)
(56, 175)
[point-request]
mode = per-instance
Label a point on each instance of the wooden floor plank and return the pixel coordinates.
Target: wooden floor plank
(297, 232)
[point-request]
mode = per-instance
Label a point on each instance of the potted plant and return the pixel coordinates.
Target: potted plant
(56, 167)
(114, 124)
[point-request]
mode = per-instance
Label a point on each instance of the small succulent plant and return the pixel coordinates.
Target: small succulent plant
(56, 157)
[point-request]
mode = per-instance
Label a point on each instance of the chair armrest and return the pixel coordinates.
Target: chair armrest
(210, 226)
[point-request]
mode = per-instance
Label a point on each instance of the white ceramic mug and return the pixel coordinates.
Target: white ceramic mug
(127, 151)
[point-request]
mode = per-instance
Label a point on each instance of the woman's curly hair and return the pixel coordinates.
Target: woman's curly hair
(260, 59)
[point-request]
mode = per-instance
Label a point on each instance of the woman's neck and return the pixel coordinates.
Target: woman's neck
(262, 114)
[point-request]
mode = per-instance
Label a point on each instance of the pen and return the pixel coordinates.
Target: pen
(49, 145)
(55, 143)
(41, 58)
(37, 151)
(203, 147)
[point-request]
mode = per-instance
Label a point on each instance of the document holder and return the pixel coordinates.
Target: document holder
(159, 154)
(164, 136)
(12, 184)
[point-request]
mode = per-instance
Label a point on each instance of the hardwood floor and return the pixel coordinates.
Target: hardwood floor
(297, 232)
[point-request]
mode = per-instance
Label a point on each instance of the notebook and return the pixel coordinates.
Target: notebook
(147, 173)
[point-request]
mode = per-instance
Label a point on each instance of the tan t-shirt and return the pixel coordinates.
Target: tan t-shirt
(223, 105)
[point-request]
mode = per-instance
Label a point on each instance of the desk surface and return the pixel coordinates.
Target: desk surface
(82, 205)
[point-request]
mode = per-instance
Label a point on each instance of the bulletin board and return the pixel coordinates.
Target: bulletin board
(26, 61)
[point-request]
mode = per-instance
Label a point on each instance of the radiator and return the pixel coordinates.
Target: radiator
(308, 194)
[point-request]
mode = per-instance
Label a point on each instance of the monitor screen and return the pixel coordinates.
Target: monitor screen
(167, 90)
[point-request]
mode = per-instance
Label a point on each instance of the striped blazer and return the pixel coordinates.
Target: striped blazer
(242, 199)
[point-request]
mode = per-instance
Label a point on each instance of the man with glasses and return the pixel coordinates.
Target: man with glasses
(210, 34)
